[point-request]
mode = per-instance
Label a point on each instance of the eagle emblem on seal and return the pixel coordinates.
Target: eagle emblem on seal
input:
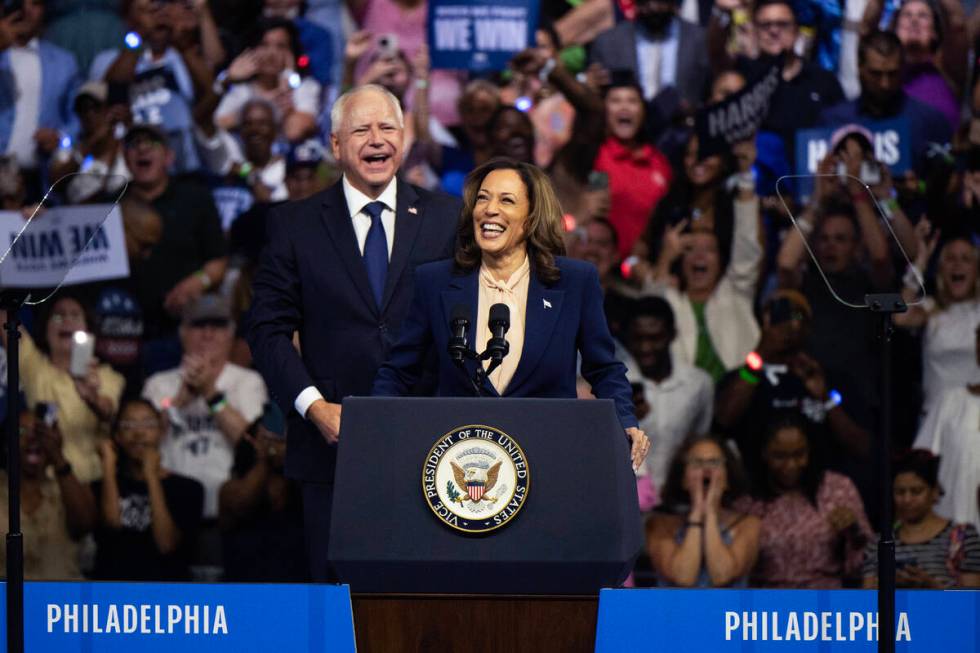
(476, 482)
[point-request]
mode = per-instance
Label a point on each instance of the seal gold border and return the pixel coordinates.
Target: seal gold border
(527, 483)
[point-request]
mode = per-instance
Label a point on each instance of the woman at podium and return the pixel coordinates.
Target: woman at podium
(536, 311)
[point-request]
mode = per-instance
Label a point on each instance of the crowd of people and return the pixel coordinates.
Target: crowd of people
(730, 293)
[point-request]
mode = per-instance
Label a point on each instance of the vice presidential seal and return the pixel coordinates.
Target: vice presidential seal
(475, 478)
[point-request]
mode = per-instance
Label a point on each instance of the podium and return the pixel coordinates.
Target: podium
(579, 529)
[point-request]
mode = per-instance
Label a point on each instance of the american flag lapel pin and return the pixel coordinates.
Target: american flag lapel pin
(413, 210)
(547, 304)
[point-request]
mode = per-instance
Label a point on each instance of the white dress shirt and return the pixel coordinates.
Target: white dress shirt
(657, 60)
(680, 405)
(356, 201)
(25, 62)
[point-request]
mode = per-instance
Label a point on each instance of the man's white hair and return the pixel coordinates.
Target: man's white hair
(339, 108)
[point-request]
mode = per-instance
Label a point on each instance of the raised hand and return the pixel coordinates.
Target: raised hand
(358, 44)
(244, 67)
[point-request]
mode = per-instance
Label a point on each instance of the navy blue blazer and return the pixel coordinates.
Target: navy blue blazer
(312, 280)
(562, 320)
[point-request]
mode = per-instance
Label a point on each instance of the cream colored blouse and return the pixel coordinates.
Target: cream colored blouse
(513, 293)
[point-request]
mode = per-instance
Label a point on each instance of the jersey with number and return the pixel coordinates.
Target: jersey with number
(194, 445)
(161, 94)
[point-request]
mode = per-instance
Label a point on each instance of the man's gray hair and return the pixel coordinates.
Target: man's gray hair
(339, 107)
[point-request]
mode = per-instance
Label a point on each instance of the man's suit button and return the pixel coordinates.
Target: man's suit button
(383, 328)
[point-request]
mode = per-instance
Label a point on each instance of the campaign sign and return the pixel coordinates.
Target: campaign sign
(738, 117)
(891, 144)
(190, 618)
(80, 238)
(778, 621)
(479, 34)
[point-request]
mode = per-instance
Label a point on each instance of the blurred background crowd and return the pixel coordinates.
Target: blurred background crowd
(758, 388)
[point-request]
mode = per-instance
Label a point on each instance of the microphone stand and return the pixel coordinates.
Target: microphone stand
(11, 301)
(884, 306)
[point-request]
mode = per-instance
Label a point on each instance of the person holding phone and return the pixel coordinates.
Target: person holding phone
(56, 508)
(780, 374)
(268, 69)
(813, 525)
(85, 397)
(698, 538)
(35, 117)
(931, 551)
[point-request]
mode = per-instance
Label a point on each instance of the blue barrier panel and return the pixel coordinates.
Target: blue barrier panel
(760, 621)
(149, 617)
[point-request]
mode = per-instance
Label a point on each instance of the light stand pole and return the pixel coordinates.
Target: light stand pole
(884, 306)
(11, 301)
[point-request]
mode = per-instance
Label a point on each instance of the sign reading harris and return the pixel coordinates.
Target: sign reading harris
(87, 239)
(150, 617)
(738, 117)
(479, 34)
(759, 621)
(891, 145)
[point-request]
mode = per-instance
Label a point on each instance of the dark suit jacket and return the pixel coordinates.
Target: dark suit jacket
(562, 320)
(615, 49)
(312, 280)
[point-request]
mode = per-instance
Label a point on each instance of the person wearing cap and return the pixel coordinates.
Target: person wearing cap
(780, 375)
(190, 258)
(98, 152)
(338, 270)
(210, 401)
(37, 87)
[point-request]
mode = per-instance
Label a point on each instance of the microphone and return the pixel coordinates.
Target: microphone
(459, 322)
(497, 346)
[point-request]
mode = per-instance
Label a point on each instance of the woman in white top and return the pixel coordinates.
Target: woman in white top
(268, 70)
(712, 296)
(948, 318)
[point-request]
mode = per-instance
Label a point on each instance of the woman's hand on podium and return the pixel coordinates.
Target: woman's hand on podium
(326, 417)
(640, 447)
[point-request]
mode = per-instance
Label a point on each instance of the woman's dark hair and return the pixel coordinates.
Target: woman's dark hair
(498, 115)
(938, 21)
(812, 475)
(545, 238)
(137, 401)
(676, 206)
(266, 25)
(41, 336)
(676, 498)
(921, 462)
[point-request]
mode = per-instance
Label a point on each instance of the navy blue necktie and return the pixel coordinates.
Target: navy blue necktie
(376, 251)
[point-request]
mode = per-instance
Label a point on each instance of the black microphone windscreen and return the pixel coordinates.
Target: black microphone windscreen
(461, 313)
(500, 314)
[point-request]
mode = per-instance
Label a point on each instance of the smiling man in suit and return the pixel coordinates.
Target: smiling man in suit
(339, 269)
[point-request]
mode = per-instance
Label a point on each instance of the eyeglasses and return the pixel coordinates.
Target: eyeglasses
(138, 424)
(778, 25)
(706, 463)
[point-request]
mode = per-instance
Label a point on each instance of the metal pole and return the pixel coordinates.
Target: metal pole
(15, 539)
(886, 537)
